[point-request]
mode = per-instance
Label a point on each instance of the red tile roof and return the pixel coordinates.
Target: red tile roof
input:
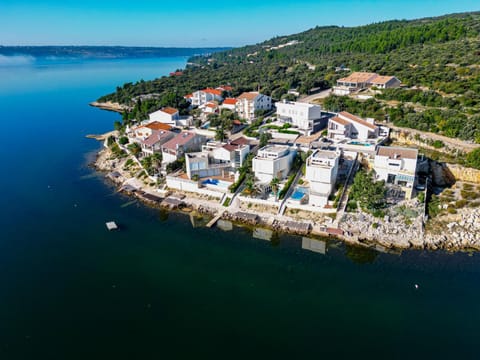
(156, 137)
(241, 140)
(340, 121)
(230, 101)
(225, 87)
(188, 96)
(248, 96)
(397, 152)
(170, 110)
(181, 139)
(212, 91)
(229, 147)
(356, 119)
(382, 79)
(358, 77)
(211, 105)
(156, 125)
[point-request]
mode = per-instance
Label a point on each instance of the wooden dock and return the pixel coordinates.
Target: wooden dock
(215, 219)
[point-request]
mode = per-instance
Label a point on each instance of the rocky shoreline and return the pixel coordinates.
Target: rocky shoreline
(459, 233)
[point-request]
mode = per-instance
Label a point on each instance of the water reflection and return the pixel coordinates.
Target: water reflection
(318, 246)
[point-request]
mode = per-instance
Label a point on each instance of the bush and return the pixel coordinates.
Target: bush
(123, 140)
(460, 203)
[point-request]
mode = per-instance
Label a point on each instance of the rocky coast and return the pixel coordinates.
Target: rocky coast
(399, 229)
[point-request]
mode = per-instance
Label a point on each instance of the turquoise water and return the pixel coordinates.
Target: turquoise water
(161, 289)
(299, 193)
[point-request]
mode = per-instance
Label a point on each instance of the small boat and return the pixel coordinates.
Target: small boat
(111, 225)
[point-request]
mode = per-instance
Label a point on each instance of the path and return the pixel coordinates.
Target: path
(463, 145)
(321, 95)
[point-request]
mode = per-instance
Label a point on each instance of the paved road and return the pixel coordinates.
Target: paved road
(321, 95)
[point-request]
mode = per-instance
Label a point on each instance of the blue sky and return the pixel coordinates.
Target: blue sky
(195, 23)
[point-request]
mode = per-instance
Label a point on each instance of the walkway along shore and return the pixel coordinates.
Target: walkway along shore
(354, 228)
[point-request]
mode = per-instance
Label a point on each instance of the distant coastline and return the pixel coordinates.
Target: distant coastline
(106, 52)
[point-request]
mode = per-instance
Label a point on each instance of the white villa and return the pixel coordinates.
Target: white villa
(273, 161)
(321, 173)
(201, 97)
(167, 115)
(217, 159)
(397, 165)
(170, 116)
(362, 80)
(249, 102)
(299, 115)
(348, 126)
(229, 103)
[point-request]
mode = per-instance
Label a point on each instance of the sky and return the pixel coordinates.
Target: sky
(195, 23)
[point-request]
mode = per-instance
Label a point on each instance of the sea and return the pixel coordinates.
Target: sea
(166, 287)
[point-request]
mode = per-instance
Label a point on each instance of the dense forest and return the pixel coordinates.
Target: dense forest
(116, 52)
(437, 60)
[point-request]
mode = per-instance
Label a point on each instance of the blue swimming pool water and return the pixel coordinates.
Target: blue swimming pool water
(299, 193)
(216, 182)
(359, 143)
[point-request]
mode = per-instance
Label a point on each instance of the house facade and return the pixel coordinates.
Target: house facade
(153, 143)
(201, 97)
(167, 115)
(142, 132)
(249, 102)
(217, 158)
(362, 80)
(273, 161)
(397, 166)
(300, 115)
(173, 149)
(348, 126)
(321, 173)
(229, 103)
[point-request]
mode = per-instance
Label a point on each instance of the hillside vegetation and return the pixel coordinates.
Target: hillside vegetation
(437, 59)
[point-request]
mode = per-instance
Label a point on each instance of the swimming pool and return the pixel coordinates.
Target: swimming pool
(216, 182)
(299, 193)
(359, 143)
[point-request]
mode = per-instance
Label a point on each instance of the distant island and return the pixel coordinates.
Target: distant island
(370, 134)
(105, 52)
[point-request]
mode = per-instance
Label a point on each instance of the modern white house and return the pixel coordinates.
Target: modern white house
(249, 102)
(273, 161)
(321, 173)
(362, 80)
(348, 126)
(173, 149)
(397, 166)
(201, 97)
(299, 115)
(217, 159)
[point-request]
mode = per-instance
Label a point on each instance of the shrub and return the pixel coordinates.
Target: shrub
(460, 203)
(123, 140)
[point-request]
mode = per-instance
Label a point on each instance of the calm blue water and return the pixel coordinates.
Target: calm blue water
(160, 289)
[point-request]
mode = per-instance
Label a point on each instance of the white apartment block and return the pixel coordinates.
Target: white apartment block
(273, 161)
(321, 173)
(396, 165)
(300, 115)
(249, 102)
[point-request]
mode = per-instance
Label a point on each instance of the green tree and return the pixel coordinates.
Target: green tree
(275, 184)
